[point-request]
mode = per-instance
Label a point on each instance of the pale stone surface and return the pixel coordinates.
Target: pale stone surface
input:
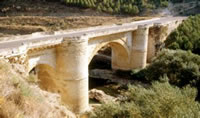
(46, 56)
(72, 69)
(139, 48)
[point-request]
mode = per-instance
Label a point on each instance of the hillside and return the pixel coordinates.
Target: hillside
(51, 16)
(185, 8)
(22, 99)
(135, 7)
(19, 18)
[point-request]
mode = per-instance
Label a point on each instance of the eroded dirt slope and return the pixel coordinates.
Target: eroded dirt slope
(29, 17)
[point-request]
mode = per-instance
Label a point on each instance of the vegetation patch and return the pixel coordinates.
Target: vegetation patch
(131, 7)
(162, 100)
(181, 67)
(186, 36)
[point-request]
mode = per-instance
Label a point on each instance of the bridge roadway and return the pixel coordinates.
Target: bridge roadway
(17, 41)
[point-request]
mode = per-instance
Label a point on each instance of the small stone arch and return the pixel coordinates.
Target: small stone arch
(42, 57)
(120, 53)
(47, 77)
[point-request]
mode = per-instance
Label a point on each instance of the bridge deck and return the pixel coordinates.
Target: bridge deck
(55, 38)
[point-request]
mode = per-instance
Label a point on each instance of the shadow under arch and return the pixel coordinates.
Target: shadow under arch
(120, 55)
(47, 77)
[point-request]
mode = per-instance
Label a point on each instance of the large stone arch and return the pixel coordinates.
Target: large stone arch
(43, 62)
(120, 53)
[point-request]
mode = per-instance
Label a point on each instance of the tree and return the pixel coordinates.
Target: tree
(187, 36)
(132, 7)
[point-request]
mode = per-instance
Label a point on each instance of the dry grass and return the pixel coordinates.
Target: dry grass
(19, 29)
(19, 25)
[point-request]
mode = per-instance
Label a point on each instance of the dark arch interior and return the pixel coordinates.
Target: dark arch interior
(102, 60)
(33, 71)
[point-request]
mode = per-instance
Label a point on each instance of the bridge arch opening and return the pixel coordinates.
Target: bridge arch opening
(45, 76)
(117, 51)
(105, 58)
(102, 59)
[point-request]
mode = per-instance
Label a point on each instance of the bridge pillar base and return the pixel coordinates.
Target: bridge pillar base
(72, 68)
(139, 47)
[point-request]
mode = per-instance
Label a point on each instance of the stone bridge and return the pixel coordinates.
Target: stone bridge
(62, 57)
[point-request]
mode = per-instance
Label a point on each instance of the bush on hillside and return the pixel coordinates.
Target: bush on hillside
(160, 101)
(181, 67)
(186, 36)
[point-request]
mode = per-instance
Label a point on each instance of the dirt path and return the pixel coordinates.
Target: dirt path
(29, 17)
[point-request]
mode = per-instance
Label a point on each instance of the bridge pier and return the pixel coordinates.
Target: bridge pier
(139, 47)
(72, 68)
(157, 35)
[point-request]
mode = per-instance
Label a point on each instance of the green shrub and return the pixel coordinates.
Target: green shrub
(181, 67)
(162, 100)
(131, 7)
(187, 36)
